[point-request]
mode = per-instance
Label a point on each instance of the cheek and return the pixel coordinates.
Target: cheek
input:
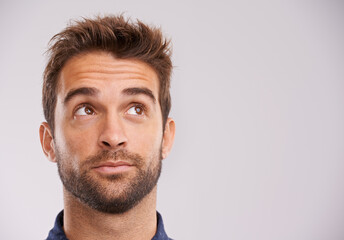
(74, 144)
(146, 140)
(73, 141)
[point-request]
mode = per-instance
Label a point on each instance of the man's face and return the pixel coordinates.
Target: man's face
(109, 138)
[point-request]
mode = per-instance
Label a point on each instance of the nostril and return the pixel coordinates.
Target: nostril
(106, 143)
(120, 144)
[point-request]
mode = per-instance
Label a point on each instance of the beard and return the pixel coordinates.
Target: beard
(116, 193)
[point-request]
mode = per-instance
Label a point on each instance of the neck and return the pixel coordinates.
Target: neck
(83, 222)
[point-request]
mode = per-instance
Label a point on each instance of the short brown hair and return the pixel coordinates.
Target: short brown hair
(115, 34)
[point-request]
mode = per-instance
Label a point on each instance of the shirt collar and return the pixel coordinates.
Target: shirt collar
(57, 232)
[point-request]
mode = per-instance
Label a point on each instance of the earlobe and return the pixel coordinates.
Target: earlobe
(168, 137)
(47, 141)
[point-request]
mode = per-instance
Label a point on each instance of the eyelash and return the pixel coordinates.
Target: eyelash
(140, 105)
(144, 108)
(83, 105)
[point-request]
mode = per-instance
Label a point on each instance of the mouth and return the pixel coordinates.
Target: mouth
(113, 167)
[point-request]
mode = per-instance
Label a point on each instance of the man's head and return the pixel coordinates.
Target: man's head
(106, 101)
(115, 35)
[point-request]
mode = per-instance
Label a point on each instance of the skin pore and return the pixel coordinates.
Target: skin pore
(110, 106)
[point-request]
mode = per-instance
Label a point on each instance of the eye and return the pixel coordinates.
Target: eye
(84, 111)
(136, 110)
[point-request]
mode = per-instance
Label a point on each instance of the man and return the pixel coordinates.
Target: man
(106, 101)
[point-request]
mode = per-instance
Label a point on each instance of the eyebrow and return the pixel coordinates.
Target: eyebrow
(80, 91)
(137, 91)
(88, 91)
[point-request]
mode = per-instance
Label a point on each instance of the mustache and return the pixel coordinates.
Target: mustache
(106, 155)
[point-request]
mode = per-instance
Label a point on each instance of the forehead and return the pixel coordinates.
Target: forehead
(104, 70)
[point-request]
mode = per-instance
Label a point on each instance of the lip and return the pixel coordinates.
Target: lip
(113, 167)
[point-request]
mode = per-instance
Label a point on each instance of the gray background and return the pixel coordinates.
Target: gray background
(258, 92)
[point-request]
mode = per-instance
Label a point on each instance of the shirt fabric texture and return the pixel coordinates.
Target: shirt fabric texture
(57, 232)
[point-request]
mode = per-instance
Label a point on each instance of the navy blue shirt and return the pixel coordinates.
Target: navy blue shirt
(57, 232)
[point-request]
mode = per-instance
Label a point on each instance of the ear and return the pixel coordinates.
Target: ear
(168, 138)
(47, 141)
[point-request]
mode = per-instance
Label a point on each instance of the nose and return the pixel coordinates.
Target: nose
(112, 135)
